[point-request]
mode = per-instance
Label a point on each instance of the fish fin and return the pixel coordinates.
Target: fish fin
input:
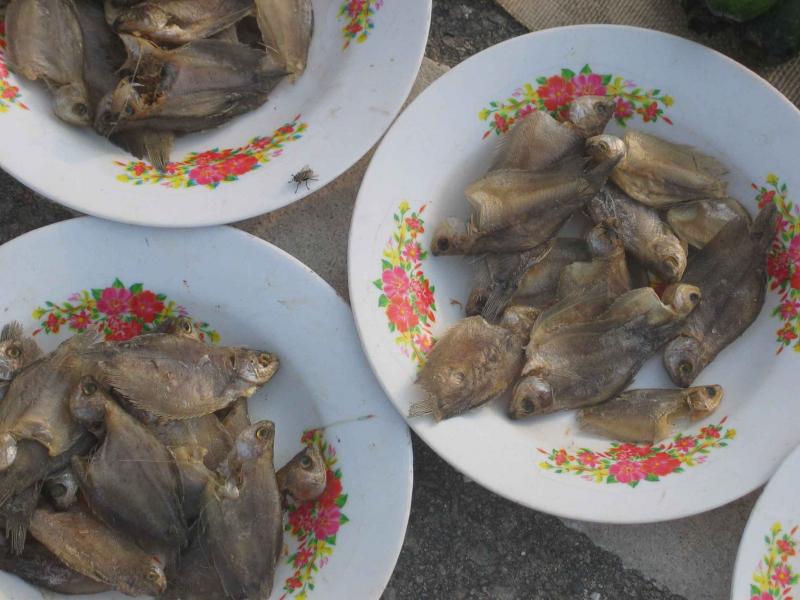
(421, 408)
(500, 295)
(11, 331)
(150, 145)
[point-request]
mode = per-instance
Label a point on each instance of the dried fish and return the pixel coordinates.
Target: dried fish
(286, 26)
(697, 222)
(304, 477)
(16, 352)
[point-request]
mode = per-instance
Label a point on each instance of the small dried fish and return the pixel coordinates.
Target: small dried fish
(696, 223)
(88, 547)
(177, 22)
(40, 567)
(642, 231)
(45, 42)
(473, 362)
(16, 513)
(586, 363)
(538, 141)
(659, 173)
(237, 418)
(183, 326)
(607, 272)
(731, 269)
(195, 475)
(648, 415)
(16, 352)
(245, 557)
(131, 482)
(304, 477)
(174, 377)
(200, 432)
(286, 26)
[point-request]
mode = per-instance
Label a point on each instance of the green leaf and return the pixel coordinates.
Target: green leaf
(96, 294)
(633, 484)
(567, 74)
(118, 284)
(611, 479)
(386, 265)
(341, 500)
(343, 519)
(48, 303)
(655, 92)
(541, 80)
(383, 301)
(136, 288)
(331, 539)
(606, 79)
(392, 327)
(754, 591)
(651, 477)
(378, 284)
(587, 69)
(337, 473)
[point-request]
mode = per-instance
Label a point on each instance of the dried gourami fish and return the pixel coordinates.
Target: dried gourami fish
(90, 548)
(45, 42)
(648, 415)
(472, 363)
(245, 557)
(175, 377)
(194, 475)
(538, 141)
(304, 477)
(38, 566)
(286, 27)
(607, 272)
(237, 418)
(183, 326)
(659, 173)
(586, 363)
(16, 351)
(200, 432)
(697, 222)
(131, 481)
(642, 231)
(178, 22)
(732, 271)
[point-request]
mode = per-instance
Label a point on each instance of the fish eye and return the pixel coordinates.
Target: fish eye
(186, 326)
(88, 388)
(527, 405)
(711, 391)
(685, 368)
(58, 490)
(603, 146)
(128, 110)
(153, 574)
(264, 359)
(80, 109)
(13, 352)
(262, 433)
(694, 297)
(602, 108)
(305, 462)
(443, 244)
(458, 377)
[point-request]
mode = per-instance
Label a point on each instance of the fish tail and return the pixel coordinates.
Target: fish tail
(16, 533)
(421, 408)
(11, 331)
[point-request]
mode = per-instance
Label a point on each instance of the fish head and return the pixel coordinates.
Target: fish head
(306, 475)
(476, 301)
(671, 258)
(254, 440)
(605, 147)
(152, 577)
(255, 367)
(62, 489)
(602, 240)
(8, 450)
(87, 403)
(146, 17)
(446, 238)
(532, 395)
(682, 297)
(682, 360)
(591, 114)
(519, 319)
(704, 400)
(182, 326)
(71, 104)
(121, 103)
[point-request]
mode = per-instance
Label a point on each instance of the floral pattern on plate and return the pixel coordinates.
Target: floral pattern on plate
(315, 524)
(358, 14)
(9, 93)
(783, 265)
(555, 92)
(215, 166)
(632, 463)
(407, 295)
(774, 577)
(118, 312)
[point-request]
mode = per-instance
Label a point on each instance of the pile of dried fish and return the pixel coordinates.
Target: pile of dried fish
(566, 323)
(133, 466)
(141, 71)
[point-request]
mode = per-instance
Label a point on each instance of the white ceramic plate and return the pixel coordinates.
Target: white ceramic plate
(350, 93)
(767, 565)
(444, 140)
(92, 273)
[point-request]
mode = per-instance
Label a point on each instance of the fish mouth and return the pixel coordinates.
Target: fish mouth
(531, 396)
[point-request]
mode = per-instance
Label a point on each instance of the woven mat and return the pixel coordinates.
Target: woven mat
(661, 15)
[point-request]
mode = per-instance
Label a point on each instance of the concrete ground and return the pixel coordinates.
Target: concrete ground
(463, 541)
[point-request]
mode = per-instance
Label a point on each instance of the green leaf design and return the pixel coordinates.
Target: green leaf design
(541, 80)
(383, 301)
(118, 284)
(567, 73)
(136, 288)
(341, 500)
(586, 70)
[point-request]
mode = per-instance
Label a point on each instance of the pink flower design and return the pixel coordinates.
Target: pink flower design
(414, 226)
(501, 123)
(411, 252)
(685, 444)
(766, 198)
(395, 283)
(649, 112)
(789, 309)
(114, 301)
(240, 164)
(556, 92)
(424, 343)
(626, 451)
(588, 458)
(590, 84)
(123, 330)
(53, 323)
(623, 109)
(327, 521)
(302, 557)
(660, 464)
(626, 471)
(402, 315)
(782, 576)
(80, 321)
(763, 596)
(301, 519)
(561, 457)
(786, 548)
(146, 306)
(207, 174)
(709, 432)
